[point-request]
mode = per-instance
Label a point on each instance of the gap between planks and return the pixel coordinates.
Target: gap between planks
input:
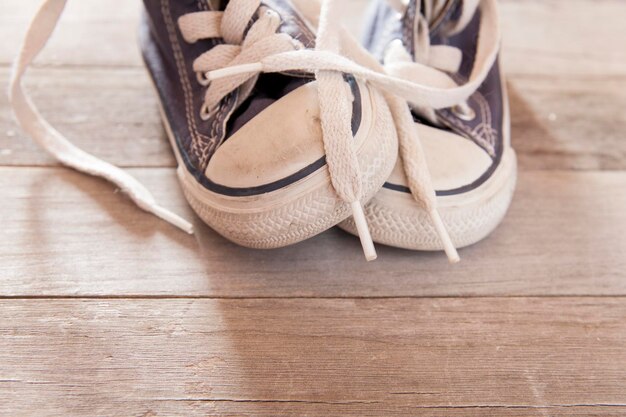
(96, 297)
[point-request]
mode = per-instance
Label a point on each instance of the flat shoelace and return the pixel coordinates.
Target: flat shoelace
(282, 55)
(33, 123)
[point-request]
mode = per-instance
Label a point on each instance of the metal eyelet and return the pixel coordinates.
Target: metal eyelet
(202, 78)
(206, 113)
(464, 112)
(271, 14)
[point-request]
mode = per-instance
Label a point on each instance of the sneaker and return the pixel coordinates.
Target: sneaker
(267, 158)
(465, 147)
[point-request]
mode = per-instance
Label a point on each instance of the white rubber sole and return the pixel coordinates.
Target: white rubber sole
(396, 220)
(305, 208)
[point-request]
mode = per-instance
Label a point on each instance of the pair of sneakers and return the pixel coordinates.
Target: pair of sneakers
(284, 125)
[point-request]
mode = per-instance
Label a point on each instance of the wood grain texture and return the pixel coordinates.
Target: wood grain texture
(90, 33)
(564, 37)
(556, 123)
(110, 113)
(105, 310)
(567, 88)
(541, 37)
(67, 234)
(469, 357)
(569, 123)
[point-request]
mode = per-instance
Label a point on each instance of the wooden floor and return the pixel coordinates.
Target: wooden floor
(105, 310)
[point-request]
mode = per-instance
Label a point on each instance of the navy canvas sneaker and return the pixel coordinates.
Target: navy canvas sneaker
(466, 147)
(267, 158)
(256, 151)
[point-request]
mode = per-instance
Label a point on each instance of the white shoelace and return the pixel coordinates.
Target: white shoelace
(245, 56)
(33, 123)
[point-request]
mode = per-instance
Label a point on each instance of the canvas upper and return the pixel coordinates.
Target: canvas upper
(169, 59)
(462, 152)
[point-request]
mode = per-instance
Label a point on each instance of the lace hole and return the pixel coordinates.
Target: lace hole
(464, 112)
(202, 79)
(271, 14)
(205, 112)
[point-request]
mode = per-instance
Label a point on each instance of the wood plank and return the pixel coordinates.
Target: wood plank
(90, 32)
(540, 36)
(112, 114)
(67, 234)
(566, 111)
(569, 123)
(564, 37)
(557, 123)
(393, 357)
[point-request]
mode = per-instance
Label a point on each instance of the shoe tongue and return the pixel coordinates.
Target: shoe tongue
(445, 13)
(217, 4)
(442, 10)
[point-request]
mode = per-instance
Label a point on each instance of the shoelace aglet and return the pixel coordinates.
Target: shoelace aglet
(444, 236)
(235, 70)
(172, 218)
(364, 232)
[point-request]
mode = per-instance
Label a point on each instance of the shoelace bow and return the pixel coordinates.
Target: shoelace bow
(247, 54)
